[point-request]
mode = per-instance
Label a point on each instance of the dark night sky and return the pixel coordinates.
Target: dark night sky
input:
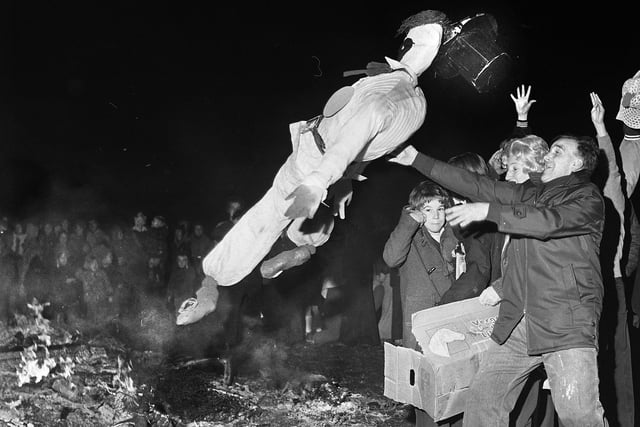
(171, 108)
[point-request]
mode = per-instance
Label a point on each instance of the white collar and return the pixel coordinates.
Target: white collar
(397, 65)
(436, 236)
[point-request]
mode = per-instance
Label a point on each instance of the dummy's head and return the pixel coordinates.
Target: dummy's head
(629, 112)
(569, 154)
(523, 156)
(472, 162)
(431, 200)
(423, 34)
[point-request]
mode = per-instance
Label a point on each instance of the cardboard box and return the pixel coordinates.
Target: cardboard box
(453, 338)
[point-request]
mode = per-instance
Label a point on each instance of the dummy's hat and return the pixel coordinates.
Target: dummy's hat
(629, 112)
(471, 51)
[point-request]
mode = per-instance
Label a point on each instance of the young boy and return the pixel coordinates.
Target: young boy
(422, 247)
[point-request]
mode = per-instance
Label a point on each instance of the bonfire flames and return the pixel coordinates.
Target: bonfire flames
(83, 384)
(32, 366)
(123, 387)
(37, 364)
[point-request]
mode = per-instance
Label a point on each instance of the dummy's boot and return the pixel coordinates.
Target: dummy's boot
(272, 268)
(194, 309)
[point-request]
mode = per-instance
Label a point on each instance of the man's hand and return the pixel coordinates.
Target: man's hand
(464, 215)
(636, 321)
(522, 102)
(489, 297)
(406, 157)
(341, 192)
(306, 199)
(597, 114)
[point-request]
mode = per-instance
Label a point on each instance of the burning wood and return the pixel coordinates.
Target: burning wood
(32, 367)
(92, 383)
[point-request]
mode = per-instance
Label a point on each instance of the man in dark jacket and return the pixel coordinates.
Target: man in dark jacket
(552, 292)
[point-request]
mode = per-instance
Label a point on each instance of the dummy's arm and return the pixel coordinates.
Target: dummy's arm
(341, 151)
(341, 192)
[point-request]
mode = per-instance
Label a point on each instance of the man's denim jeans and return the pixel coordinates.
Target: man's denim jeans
(573, 377)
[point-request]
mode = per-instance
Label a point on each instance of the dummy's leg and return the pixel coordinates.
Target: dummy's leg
(206, 301)
(237, 254)
(273, 267)
(251, 238)
(302, 238)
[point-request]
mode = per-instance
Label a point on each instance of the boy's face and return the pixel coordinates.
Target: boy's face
(433, 212)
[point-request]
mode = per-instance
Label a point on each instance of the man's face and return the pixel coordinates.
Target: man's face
(139, 220)
(62, 259)
(433, 211)
(198, 230)
(93, 226)
(562, 160)
(182, 261)
(233, 208)
(516, 170)
(107, 260)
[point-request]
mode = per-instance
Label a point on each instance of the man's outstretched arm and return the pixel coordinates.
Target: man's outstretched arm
(477, 188)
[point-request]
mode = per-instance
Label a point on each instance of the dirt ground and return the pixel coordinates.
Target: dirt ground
(115, 377)
(113, 382)
(300, 385)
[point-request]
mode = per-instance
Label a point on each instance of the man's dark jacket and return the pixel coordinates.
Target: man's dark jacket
(552, 275)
